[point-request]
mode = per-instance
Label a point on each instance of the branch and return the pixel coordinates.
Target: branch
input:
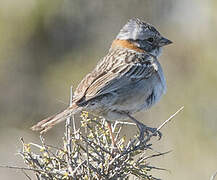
(164, 123)
(27, 169)
(170, 118)
(213, 176)
(68, 135)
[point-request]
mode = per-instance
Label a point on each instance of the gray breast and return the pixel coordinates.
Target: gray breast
(141, 95)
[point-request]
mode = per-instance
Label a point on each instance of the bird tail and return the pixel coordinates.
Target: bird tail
(46, 124)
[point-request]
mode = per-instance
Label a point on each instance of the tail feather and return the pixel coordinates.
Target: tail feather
(46, 124)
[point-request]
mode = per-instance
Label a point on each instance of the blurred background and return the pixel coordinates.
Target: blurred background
(46, 46)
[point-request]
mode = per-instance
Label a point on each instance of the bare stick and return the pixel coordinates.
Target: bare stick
(78, 167)
(73, 117)
(87, 151)
(28, 169)
(164, 123)
(68, 136)
(170, 118)
(28, 177)
(213, 176)
(118, 134)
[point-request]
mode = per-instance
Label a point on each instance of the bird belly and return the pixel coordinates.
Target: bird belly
(134, 97)
(139, 96)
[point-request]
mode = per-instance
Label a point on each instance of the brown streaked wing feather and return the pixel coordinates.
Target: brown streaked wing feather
(109, 76)
(98, 72)
(83, 86)
(114, 81)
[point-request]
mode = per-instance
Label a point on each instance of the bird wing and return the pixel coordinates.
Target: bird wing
(114, 72)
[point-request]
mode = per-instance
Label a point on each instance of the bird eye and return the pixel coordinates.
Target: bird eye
(150, 40)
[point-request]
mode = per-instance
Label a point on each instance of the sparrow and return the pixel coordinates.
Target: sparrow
(127, 80)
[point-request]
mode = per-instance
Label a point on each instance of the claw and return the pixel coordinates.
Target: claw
(154, 131)
(143, 129)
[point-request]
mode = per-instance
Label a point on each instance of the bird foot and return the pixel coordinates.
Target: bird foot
(145, 130)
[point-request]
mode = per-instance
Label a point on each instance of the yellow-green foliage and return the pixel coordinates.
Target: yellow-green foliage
(92, 154)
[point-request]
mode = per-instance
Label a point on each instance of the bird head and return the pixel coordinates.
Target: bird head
(143, 35)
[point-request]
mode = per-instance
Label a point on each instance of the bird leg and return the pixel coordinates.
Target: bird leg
(145, 129)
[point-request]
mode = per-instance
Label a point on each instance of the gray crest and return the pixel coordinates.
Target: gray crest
(136, 29)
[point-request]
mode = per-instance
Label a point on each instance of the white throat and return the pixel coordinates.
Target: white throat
(156, 52)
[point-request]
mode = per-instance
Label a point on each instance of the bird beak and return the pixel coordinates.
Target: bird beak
(163, 42)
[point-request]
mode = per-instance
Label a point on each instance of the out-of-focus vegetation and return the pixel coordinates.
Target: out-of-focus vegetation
(45, 46)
